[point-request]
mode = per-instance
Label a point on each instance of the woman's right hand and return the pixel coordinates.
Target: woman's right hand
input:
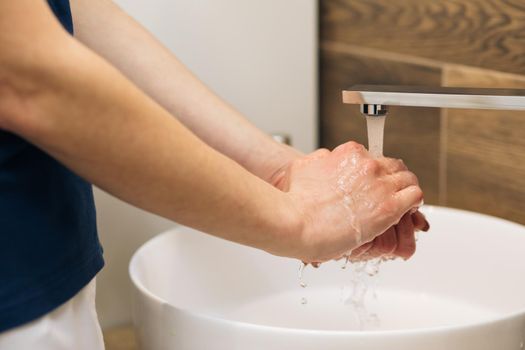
(344, 199)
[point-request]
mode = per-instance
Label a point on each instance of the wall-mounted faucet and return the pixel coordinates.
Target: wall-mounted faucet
(375, 99)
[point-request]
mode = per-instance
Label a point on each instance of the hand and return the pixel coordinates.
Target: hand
(345, 199)
(398, 241)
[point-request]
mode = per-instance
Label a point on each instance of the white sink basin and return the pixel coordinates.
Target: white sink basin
(464, 289)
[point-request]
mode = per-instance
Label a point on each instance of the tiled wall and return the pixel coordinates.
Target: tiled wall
(467, 159)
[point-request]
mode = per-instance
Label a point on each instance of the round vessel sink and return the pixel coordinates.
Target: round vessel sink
(463, 289)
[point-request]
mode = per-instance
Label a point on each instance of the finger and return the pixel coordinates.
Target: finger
(383, 245)
(393, 165)
(403, 179)
(420, 222)
(406, 199)
(406, 246)
(360, 251)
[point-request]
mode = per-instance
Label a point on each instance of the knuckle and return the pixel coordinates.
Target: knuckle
(414, 178)
(418, 193)
(401, 164)
(396, 165)
(350, 146)
(341, 148)
(353, 145)
(371, 166)
(411, 178)
(321, 152)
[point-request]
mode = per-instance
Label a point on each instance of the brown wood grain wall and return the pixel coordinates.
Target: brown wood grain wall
(482, 33)
(467, 159)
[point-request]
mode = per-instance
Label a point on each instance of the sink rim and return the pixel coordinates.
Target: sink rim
(350, 333)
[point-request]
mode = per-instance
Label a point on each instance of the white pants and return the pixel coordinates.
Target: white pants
(73, 325)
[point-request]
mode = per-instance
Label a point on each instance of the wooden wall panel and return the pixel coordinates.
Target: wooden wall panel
(482, 33)
(485, 151)
(411, 133)
(479, 155)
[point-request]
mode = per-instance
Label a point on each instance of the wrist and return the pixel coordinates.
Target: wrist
(290, 225)
(276, 167)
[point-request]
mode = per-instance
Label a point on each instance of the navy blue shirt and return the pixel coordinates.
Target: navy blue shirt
(49, 249)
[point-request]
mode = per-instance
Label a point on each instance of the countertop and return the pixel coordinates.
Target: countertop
(120, 338)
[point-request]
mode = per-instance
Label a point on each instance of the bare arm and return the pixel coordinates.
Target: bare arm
(71, 103)
(106, 29)
(63, 98)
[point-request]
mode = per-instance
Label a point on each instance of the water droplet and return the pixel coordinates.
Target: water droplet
(302, 283)
(346, 264)
(372, 267)
(304, 301)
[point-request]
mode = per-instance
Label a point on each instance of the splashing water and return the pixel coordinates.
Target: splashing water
(365, 271)
(302, 283)
(362, 282)
(347, 259)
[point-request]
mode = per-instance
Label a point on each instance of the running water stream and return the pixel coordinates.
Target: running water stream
(376, 129)
(364, 273)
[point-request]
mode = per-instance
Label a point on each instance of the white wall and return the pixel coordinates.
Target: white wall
(261, 56)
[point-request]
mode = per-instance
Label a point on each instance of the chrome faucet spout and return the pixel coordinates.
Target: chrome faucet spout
(374, 110)
(374, 99)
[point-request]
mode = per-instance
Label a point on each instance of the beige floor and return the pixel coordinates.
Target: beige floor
(120, 338)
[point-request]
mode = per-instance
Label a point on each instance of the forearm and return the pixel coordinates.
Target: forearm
(102, 26)
(87, 115)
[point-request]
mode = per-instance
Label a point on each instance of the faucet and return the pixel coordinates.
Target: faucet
(375, 99)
